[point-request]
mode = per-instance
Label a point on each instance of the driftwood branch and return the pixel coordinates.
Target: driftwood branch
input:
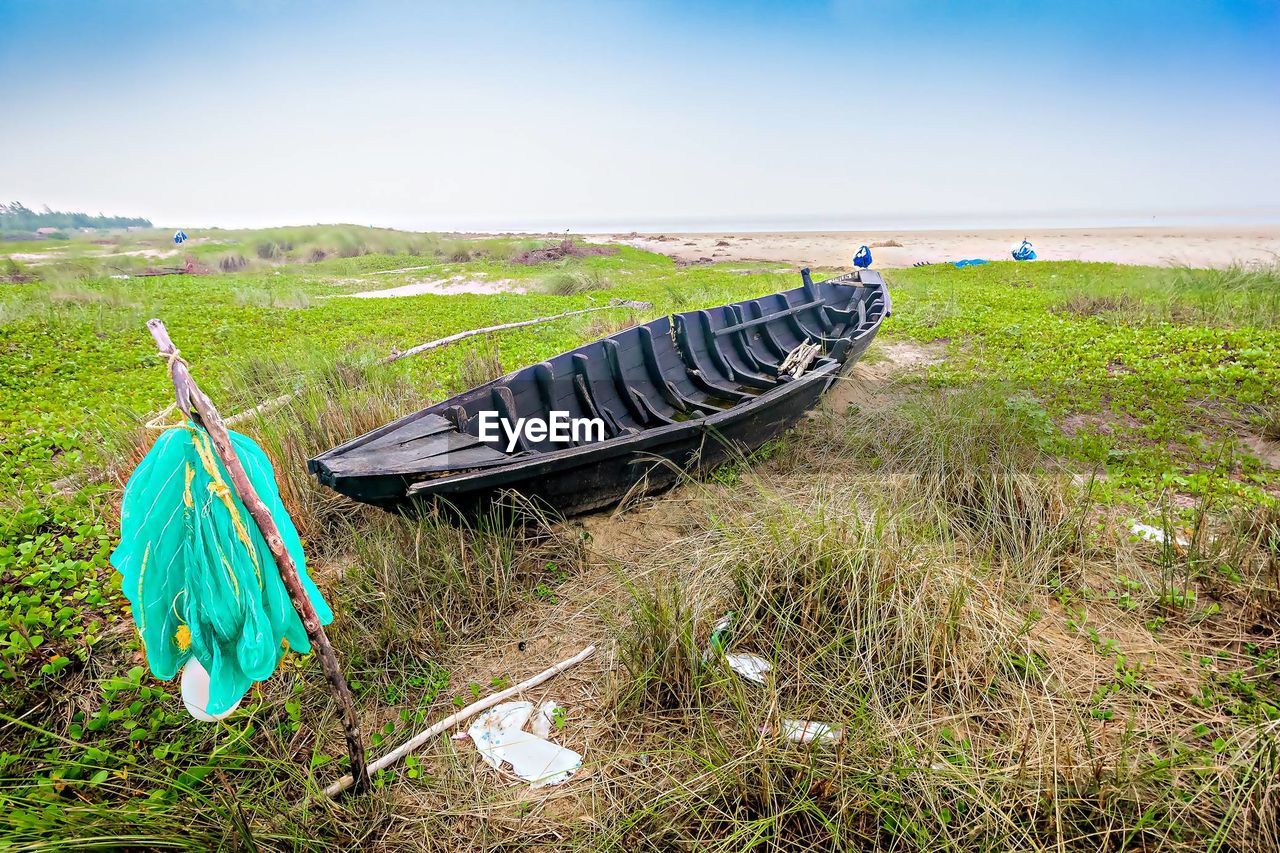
(263, 407)
(799, 359)
(195, 404)
(277, 402)
(453, 719)
(439, 342)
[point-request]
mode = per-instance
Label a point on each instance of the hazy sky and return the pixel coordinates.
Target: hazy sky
(552, 115)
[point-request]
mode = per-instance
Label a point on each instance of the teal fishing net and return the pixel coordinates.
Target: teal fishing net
(198, 572)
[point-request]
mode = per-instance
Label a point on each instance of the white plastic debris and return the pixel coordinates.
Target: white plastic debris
(808, 731)
(751, 667)
(1147, 532)
(1152, 534)
(194, 686)
(544, 721)
(500, 738)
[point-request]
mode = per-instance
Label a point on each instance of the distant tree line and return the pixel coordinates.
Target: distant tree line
(18, 217)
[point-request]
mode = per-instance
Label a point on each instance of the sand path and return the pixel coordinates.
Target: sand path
(1216, 246)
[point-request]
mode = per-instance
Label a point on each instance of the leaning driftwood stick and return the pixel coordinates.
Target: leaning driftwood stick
(439, 342)
(189, 395)
(265, 406)
(452, 720)
(277, 402)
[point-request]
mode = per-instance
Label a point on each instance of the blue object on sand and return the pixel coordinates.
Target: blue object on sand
(970, 262)
(1025, 252)
(862, 259)
(179, 237)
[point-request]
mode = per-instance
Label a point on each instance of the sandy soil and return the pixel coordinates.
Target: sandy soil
(1216, 246)
(36, 258)
(141, 253)
(1266, 450)
(445, 286)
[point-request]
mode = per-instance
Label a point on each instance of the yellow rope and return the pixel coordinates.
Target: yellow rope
(155, 423)
(235, 584)
(219, 487)
(142, 616)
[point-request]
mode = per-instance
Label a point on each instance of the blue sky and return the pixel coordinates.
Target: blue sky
(630, 114)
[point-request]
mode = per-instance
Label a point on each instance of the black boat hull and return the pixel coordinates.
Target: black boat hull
(654, 461)
(677, 395)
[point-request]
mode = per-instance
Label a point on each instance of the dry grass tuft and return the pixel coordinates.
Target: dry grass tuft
(232, 263)
(1007, 677)
(603, 325)
(973, 716)
(294, 298)
(479, 365)
(1091, 305)
(976, 455)
(75, 293)
(573, 282)
(424, 582)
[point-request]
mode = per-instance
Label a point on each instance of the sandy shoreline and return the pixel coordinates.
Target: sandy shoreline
(1197, 246)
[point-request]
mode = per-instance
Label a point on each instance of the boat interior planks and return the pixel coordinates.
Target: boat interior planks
(639, 408)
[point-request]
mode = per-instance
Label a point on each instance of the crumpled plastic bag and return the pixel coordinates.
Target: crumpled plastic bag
(500, 738)
(751, 667)
(199, 576)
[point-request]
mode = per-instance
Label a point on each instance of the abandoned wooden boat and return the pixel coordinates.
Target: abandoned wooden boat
(673, 395)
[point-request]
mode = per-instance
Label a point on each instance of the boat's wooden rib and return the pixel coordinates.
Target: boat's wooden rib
(764, 334)
(692, 389)
(761, 363)
(730, 350)
(652, 415)
(767, 363)
(623, 388)
(822, 314)
(702, 371)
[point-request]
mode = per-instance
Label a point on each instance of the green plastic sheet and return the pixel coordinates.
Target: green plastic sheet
(197, 571)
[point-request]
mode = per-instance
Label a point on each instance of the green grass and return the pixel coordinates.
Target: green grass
(1160, 399)
(944, 570)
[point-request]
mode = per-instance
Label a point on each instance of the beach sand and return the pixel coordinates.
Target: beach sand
(1199, 246)
(443, 286)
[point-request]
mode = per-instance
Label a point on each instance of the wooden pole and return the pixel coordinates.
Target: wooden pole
(190, 396)
(453, 719)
